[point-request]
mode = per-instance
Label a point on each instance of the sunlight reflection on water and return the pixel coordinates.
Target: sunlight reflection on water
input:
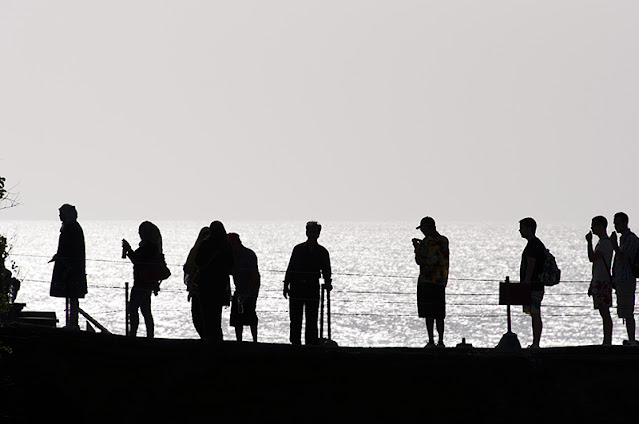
(373, 303)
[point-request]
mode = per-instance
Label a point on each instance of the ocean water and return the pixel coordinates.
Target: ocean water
(373, 301)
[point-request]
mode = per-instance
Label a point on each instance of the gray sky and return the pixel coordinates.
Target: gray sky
(360, 110)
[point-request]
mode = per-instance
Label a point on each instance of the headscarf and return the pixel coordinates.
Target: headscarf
(150, 234)
(190, 260)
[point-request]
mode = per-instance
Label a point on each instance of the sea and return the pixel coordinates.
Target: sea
(373, 303)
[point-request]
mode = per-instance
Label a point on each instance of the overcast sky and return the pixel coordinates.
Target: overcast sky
(359, 110)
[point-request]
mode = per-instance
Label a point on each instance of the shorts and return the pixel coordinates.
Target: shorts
(601, 292)
(248, 316)
(431, 300)
(626, 298)
(535, 303)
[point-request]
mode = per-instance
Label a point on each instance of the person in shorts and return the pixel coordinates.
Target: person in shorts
(623, 279)
(432, 256)
(601, 284)
(532, 265)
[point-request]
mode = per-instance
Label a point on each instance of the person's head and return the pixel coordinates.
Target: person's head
(150, 233)
(234, 239)
(217, 232)
(621, 222)
(68, 213)
(527, 227)
(313, 230)
(204, 232)
(427, 225)
(599, 225)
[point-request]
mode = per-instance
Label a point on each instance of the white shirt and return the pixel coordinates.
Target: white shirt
(601, 266)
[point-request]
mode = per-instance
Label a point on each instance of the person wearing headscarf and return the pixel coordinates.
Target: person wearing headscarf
(145, 280)
(69, 278)
(246, 277)
(214, 261)
(190, 271)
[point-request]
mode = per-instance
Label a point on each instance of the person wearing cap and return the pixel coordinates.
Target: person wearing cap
(69, 278)
(309, 261)
(246, 278)
(431, 254)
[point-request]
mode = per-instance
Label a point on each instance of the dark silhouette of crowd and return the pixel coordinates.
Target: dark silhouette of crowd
(216, 256)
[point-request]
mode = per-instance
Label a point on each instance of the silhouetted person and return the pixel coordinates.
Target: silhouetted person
(69, 278)
(214, 260)
(623, 280)
(601, 284)
(309, 261)
(145, 260)
(190, 272)
(532, 265)
(246, 277)
(432, 256)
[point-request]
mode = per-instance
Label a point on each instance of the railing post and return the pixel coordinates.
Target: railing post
(322, 290)
(509, 341)
(508, 308)
(328, 313)
(126, 308)
(67, 312)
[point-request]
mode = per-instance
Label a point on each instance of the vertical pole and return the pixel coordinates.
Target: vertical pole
(126, 308)
(328, 312)
(508, 306)
(66, 312)
(322, 311)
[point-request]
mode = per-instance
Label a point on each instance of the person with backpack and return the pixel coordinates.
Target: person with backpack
(601, 284)
(149, 268)
(623, 279)
(532, 265)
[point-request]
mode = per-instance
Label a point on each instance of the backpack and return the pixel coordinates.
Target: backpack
(551, 274)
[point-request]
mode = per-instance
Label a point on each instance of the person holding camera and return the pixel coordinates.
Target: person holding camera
(145, 259)
(431, 254)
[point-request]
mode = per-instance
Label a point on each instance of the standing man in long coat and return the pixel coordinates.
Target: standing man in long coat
(69, 278)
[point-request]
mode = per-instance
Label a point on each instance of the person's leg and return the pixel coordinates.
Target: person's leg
(254, 332)
(296, 311)
(208, 308)
(626, 305)
(430, 323)
(238, 332)
(218, 334)
(630, 327)
(145, 308)
(535, 313)
(440, 330)
(440, 312)
(607, 325)
(74, 312)
(134, 318)
(312, 311)
(196, 315)
(537, 327)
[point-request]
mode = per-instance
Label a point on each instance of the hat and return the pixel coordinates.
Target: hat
(426, 221)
